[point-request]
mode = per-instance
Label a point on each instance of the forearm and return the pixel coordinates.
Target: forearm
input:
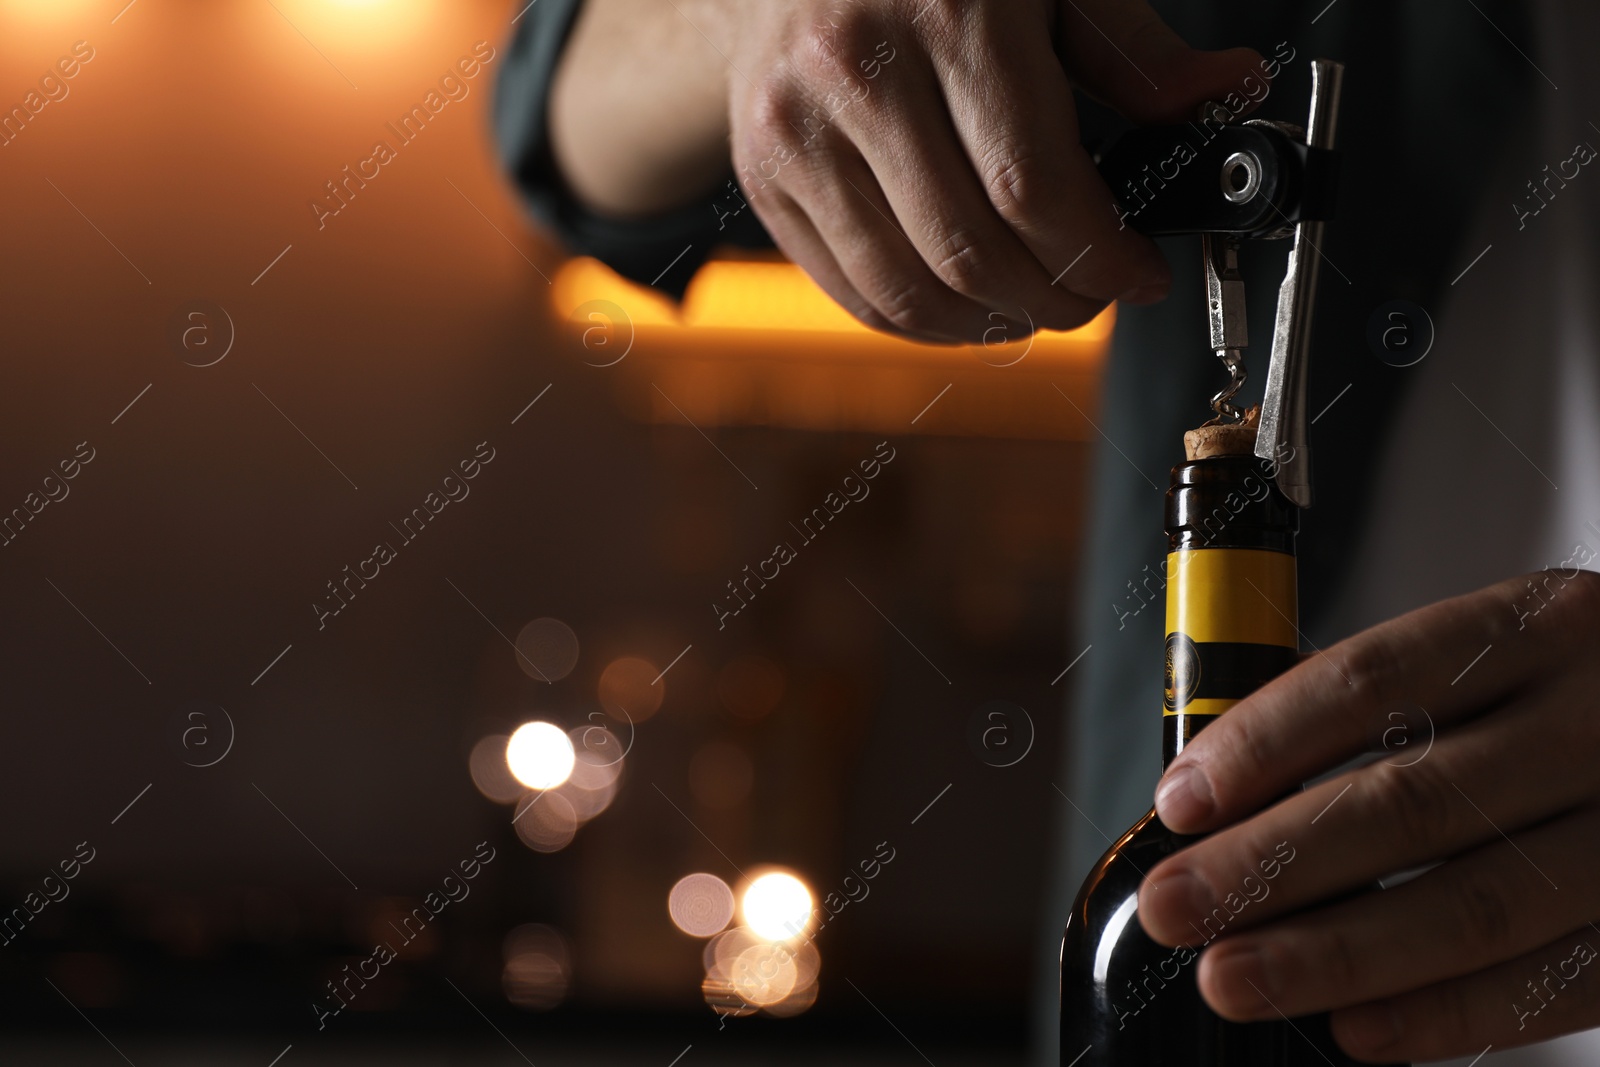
(639, 105)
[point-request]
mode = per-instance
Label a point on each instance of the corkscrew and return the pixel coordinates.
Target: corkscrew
(1230, 181)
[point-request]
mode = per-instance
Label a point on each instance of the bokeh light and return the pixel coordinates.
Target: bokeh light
(746, 972)
(803, 997)
(718, 956)
(631, 689)
(596, 771)
(723, 1000)
(547, 649)
(547, 822)
(490, 772)
(570, 778)
(777, 906)
(719, 953)
(538, 967)
(764, 974)
(701, 905)
(587, 803)
(599, 754)
(540, 755)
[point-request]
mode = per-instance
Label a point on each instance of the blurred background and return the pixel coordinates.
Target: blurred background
(400, 659)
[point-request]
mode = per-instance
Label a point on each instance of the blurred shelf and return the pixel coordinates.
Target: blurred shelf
(757, 343)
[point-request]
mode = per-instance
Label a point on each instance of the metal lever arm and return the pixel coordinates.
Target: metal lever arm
(1282, 435)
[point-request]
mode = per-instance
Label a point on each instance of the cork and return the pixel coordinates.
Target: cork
(1224, 439)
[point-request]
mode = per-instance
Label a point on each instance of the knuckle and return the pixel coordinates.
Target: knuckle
(874, 316)
(1484, 915)
(961, 265)
(771, 106)
(768, 112)
(906, 307)
(1015, 185)
(939, 20)
(1417, 803)
(869, 317)
(778, 140)
(831, 46)
(1371, 668)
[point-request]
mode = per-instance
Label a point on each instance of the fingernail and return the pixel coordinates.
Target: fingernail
(1145, 294)
(1370, 1027)
(1248, 980)
(1184, 798)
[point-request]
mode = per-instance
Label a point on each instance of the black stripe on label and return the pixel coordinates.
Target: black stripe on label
(1225, 670)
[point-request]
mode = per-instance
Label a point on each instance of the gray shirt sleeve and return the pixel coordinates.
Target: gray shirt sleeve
(663, 250)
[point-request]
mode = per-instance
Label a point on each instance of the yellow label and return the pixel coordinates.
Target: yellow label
(1203, 706)
(1243, 595)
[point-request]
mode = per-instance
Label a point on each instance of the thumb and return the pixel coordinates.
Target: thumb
(1123, 54)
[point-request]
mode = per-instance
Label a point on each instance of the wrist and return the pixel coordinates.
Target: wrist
(638, 109)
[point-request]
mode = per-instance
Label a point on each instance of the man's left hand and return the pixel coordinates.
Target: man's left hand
(1497, 695)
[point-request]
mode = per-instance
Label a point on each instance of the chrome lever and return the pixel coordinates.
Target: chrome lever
(1282, 437)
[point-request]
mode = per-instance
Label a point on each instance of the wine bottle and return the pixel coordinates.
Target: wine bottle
(1127, 1001)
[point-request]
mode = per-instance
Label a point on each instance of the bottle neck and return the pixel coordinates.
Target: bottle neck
(1231, 591)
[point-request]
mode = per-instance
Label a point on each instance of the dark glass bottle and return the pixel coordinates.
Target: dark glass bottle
(1231, 608)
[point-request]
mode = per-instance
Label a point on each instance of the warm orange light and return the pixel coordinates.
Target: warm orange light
(763, 974)
(745, 972)
(747, 295)
(631, 689)
(60, 12)
(757, 343)
(356, 25)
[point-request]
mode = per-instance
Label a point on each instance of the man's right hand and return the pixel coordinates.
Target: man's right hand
(919, 158)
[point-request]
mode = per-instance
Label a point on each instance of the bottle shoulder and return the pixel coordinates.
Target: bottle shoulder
(1145, 844)
(1109, 895)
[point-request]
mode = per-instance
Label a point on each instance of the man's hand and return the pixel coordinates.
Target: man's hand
(919, 158)
(933, 182)
(1497, 783)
